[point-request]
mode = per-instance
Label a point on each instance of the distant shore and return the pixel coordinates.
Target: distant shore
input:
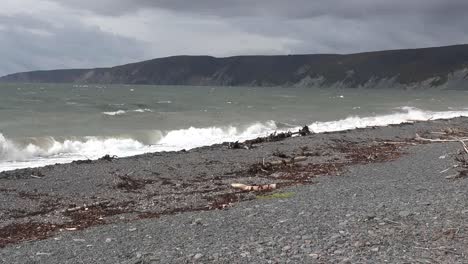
(59, 200)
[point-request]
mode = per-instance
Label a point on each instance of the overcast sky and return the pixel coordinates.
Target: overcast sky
(49, 34)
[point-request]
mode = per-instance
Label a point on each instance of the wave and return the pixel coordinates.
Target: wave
(14, 155)
(123, 112)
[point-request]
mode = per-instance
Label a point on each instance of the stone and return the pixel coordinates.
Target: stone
(198, 256)
(197, 221)
(404, 213)
(338, 252)
(245, 254)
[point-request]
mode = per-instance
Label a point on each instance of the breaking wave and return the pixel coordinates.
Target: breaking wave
(15, 155)
(123, 112)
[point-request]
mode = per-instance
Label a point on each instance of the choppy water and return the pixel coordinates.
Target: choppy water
(47, 124)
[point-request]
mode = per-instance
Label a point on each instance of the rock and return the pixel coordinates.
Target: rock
(108, 240)
(198, 256)
(197, 221)
(375, 249)
(404, 213)
(338, 252)
(286, 248)
(314, 255)
(358, 244)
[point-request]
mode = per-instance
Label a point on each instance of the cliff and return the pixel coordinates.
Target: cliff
(445, 67)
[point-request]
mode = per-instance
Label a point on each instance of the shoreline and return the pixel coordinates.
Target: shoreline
(169, 140)
(43, 203)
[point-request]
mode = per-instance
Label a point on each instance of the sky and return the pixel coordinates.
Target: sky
(55, 34)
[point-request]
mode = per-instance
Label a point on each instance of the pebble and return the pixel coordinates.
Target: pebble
(197, 221)
(314, 255)
(404, 213)
(198, 256)
(43, 254)
(108, 240)
(358, 244)
(286, 248)
(376, 249)
(338, 252)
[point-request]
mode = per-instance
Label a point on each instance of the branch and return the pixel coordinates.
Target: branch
(249, 188)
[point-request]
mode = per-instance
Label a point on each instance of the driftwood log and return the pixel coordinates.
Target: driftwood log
(249, 188)
(85, 207)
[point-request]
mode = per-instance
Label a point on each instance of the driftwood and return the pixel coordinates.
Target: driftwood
(273, 137)
(85, 207)
(419, 138)
(462, 159)
(454, 139)
(461, 174)
(244, 187)
(293, 160)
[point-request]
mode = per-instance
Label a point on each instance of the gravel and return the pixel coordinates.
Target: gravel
(400, 211)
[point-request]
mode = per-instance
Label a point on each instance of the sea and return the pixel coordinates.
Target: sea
(43, 124)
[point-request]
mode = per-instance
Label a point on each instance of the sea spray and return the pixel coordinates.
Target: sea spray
(14, 155)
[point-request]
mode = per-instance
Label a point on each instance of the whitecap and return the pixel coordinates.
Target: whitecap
(14, 155)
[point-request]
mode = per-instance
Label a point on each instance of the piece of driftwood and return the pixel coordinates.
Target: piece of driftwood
(273, 137)
(419, 138)
(295, 159)
(465, 148)
(85, 207)
(244, 187)
(454, 139)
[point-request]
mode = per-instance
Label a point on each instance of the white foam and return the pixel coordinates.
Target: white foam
(123, 112)
(13, 155)
(406, 114)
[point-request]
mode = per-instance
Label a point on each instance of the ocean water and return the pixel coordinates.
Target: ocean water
(47, 124)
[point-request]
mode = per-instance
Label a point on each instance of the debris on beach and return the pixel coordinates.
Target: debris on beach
(107, 158)
(256, 188)
(131, 184)
(451, 135)
(273, 137)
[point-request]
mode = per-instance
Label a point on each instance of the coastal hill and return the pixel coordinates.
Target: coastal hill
(444, 67)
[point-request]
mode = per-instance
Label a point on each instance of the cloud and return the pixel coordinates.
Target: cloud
(29, 42)
(280, 8)
(90, 33)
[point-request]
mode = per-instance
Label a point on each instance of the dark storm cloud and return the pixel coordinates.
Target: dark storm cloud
(27, 43)
(336, 26)
(90, 33)
(282, 8)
